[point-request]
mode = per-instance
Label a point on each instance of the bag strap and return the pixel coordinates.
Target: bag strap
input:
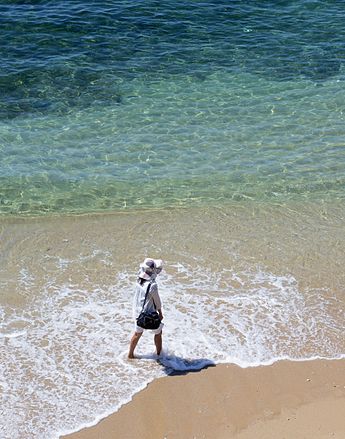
(147, 292)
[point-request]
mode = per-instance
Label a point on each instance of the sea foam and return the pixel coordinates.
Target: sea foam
(64, 358)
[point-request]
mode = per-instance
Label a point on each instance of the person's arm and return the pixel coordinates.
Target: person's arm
(160, 313)
(157, 301)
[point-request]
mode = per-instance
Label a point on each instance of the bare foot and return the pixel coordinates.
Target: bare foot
(131, 356)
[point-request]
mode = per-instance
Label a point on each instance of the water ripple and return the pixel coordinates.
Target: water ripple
(109, 97)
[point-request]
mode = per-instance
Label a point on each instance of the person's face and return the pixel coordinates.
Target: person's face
(158, 270)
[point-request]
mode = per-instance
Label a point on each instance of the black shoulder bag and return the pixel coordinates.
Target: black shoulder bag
(148, 320)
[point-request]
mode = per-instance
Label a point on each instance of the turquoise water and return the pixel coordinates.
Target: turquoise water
(125, 105)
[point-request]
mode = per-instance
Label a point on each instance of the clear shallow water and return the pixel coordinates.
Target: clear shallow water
(109, 106)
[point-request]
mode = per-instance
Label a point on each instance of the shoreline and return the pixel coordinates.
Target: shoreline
(227, 401)
(255, 282)
(335, 203)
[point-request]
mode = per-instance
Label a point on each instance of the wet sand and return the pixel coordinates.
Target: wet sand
(291, 400)
(41, 256)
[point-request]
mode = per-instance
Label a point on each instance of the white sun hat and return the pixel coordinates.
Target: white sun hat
(150, 267)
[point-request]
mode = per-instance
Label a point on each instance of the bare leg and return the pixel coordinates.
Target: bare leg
(133, 343)
(158, 343)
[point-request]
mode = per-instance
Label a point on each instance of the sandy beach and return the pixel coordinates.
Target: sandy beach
(232, 296)
(291, 400)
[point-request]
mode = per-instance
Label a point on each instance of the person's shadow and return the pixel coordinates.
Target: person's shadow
(173, 365)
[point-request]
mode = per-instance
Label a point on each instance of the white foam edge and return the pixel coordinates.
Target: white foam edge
(13, 334)
(104, 415)
(271, 361)
(241, 364)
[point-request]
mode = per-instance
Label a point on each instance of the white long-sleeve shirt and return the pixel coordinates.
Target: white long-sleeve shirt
(153, 300)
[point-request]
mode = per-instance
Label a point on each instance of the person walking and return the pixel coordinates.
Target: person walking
(146, 282)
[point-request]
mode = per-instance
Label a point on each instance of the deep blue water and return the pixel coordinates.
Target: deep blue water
(114, 105)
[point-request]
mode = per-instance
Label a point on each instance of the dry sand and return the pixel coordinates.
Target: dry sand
(288, 400)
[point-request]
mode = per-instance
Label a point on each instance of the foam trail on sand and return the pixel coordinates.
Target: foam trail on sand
(63, 358)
